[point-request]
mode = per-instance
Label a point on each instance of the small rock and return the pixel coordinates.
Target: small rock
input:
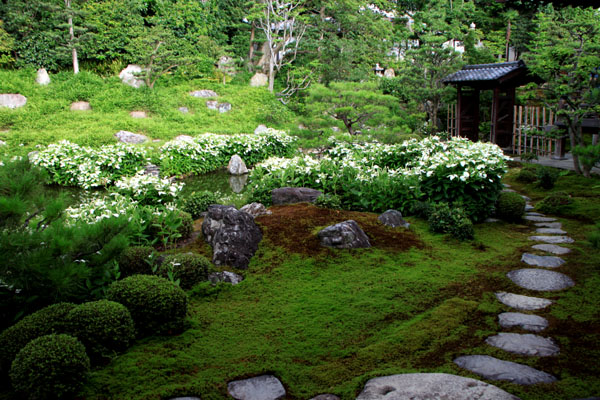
(185, 138)
(138, 114)
(553, 225)
(261, 129)
(255, 209)
(225, 276)
(540, 279)
(499, 370)
(507, 190)
(237, 183)
(506, 185)
(42, 78)
(80, 106)
(184, 110)
(325, 397)
(259, 80)
(393, 218)
(264, 387)
(130, 137)
(205, 94)
(152, 170)
(302, 127)
(291, 195)
(528, 207)
(552, 239)
(521, 302)
(525, 198)
(237, 166)
(535, 214)
(12, 100)
(524, 344)
(527, 322)
(335, 129)
(491, 220)
(550, 231)
(542, 261)
(345, 235)
(212, 104)
(552, 248)
(389, 73)
(130, 76)
(185, 398)
(224, 107)
(537, 218)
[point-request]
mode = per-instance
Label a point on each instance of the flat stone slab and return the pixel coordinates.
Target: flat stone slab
(542, 261)
(535, 214)
(130, 137)
(430, 386)
(12, 100)
(552, 248)
(490, 220)
(521, 302)
(540, 279)
(527, 322)
(499, 370)
(326, 396)
(204, 93)
(507, 190)
(536, 218)
(528, 207)
(554, 225)
(550, 231)
(525, 197)
(264, 387)
(526, 344)
(552, 239)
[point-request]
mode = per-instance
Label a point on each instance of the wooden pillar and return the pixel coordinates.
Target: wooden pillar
(494, 118)
(459, 102)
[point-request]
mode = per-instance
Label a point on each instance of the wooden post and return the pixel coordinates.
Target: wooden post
(520, 125)
(514, 141)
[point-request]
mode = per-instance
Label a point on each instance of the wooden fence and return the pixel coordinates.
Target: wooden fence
(451, 120)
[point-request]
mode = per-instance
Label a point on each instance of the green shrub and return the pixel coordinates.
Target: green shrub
(547, 176)
(50, 367)
(594, 237)
(188, 268)
(330, 201)
(444, 219)
(526, 176)
(170, 226)
(42, 322)
(156, 304)
(196, 203)
(529, 156)
(421, 209)
(187, 224)
(510, 206)
(104, 327)
(554, 203)
(137, 260)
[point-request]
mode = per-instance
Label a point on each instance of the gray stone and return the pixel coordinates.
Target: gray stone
(527, 322)
(261, 129)
(345, 235)
(232, 234)
(151, 169)
(138, 114)
(184, 110)
(237, 183)
(292, 195)
(526, 198)
(12, 100)
(499, 370)
(80, 106)
(542, 261)
(554, 225)
(185, 138)
(491, 220)
(507, 190)
(259, 80)
(212, 105)
(552, 248)
(540, 279)
(528, 207)
(389, 73)
(552, 239)
(255, 209)
(526, 344)
(130, 137)
(205, 94)
(535, 214)
(226, 277)
(536, 218)
(521, 302)
(335, 129)
(326, 396)
(130, 76)
(506, 185)
(393, 218)
(186, 398)
(236, 166)
(264, 387)
(224, 107)
(430, 387)
(550, 231)
(42, 78)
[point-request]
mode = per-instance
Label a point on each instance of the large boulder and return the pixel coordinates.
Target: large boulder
(237, 166)
(11, 100)
(291, 195)
(130, 76)
(81, 106)
(345, 235)
(259, 80)
(233, 235)
(393, 218)
(42, 78)
(130, 137)
(204, 93)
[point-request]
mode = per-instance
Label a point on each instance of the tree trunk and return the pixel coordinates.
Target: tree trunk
(72, 38)
(271, 74)
(508, 28)
(251, 48)
(572, 127)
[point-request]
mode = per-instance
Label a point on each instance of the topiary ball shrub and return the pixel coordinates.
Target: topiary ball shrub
(197, 203)
(547, 176)
(50, 367)
(526, 176)
(104, 327)
(137, 260)
(188, 268)
(187, 225)
(554, 203)
(42, 322)
(157, 305)
(453, 220)
(510, 206)
(330, 201)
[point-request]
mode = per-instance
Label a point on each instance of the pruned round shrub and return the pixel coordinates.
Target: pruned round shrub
(137, 260)
(554, 203)
(330, 201)
(157, 305)
(453, 220)
(42, 322)
(188, 268)
(510, 206)
(187, 224)
(421, 209)
(104, 327)
(197, 202)
(526, 176)
(50, 367)
(547, 176)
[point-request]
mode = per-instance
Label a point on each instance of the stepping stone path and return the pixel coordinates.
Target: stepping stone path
(528, 207)
(536, 218)
(542, 261)
(264, 387)
(499, 370)
(552, 239)
(540, 279)
(524, 344)
(550, 231)
(535, 214)
(521, 302)
(527, 322)
(554, 225)
(552, 248)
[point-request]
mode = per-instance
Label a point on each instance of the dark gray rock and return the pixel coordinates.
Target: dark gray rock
(151, 169)
(393, 218)
(536, 218)
(232, 234)
(264, 387)
(291, 195)
(345, 235)
(499, 370)
(521, 302)
(205, 94)
(524, 344)
(540, 279)
(552, 239)
(237, 166)
(326, 396)
(130, 137)
(237, 183)
(542, 261)
(255, 209)
(430, 387)
(527, 322)
(10, 100)
(552, 248)
(225, 276)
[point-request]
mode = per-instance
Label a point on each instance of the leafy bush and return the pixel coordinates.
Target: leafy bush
(187, 224)
(169, 226)
(510, 206)
(198, 202)
(330, 201)
(137, 260)
(148, 189)
(594, 237)
(157, 306)
(422, 209)
(103, 326)
(188, 269)
(42, 322)
(554, 203)
(547, 176)
(50, 367)
(526, 176)
(453, 220)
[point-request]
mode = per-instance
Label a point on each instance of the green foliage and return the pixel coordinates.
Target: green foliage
(594, 236)
(446, 219)
(187, 268)
(547, 176)
(197, 203)
(6, 46)
(50, 367)
(510, 206)
(166, 227)
(137, 260)
(526, 176)
(422, 209)
(554, 203)
(157, 306)
(104, 327)
(42, 322)
(330, 201)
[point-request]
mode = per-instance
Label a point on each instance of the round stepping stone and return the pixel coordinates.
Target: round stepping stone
(542, 261)
(499, 370)
(521, 302)
(535, 214)
(552, 239)
(526, 344)
(264, 387)
(554, 225)
(527, 322)
(540, 279)
(551, 248)
(536, 218)
(550, 231)
(430, 386)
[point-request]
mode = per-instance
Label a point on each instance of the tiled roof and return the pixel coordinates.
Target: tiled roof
(484, 72)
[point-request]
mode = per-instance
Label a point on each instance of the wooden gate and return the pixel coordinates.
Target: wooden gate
(531, 131)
